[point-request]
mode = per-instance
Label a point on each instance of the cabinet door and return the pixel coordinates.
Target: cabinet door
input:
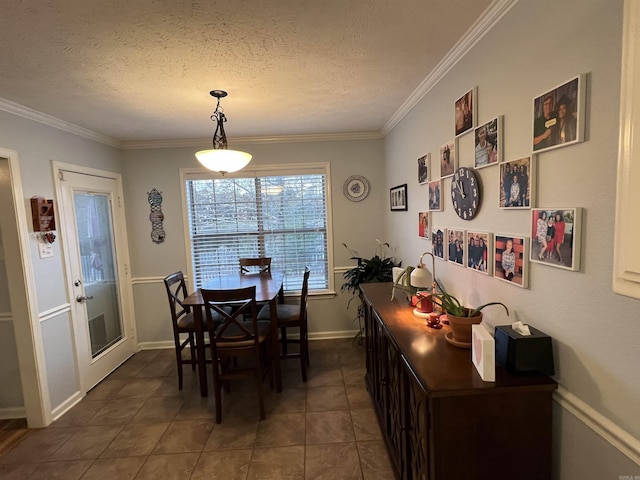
(379, 376)
(394, 400)
(418, 424)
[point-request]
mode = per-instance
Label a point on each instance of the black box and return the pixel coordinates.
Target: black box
(524, 353)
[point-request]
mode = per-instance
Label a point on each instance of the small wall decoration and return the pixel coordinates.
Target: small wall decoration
(465, 112)
(355, 188)
(488, 142)
(511, 259)
(398, 197)
(516, 181)
(555, 237)
(558, 115)
(479, 251)
(423, 225)
(437, 242)
(424, 163)
(448, 162)
(455, 246)
(435, 196)
(156, 216)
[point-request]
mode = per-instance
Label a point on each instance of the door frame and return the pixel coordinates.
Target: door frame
(122, 260)
(24, 305)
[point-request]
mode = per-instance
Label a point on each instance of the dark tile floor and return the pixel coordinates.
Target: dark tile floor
(137, 424)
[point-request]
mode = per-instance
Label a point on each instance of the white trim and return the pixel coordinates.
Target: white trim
(201, 142)
(54, 312)
(9, 413)
(67, 405)
(611, 432)
(478, 30)
(6, 317)
(162, 345)
(54, 122)
(147, 280)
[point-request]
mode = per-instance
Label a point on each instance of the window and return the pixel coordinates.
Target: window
(278, 214)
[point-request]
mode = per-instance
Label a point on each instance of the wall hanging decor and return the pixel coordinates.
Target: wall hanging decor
(555, 237)
(156, 216)
(488, 143)
(424, 167)
(465, 112)
(356, 188)
(511, 259)
(398, 197)
(558, 115)
(448, 162)
(516, 183)
(479, 251)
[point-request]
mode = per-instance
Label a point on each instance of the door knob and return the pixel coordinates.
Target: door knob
(82, 298)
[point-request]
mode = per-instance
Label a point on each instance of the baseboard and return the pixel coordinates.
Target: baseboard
(619, 438)
(156, 345)
(67, 405)
(9, 413)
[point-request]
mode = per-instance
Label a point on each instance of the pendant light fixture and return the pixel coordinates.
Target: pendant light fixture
(220, 159)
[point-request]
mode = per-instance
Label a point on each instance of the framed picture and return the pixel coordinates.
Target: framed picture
(437, 242)
(423, 225)
(516, 183)
(455, 246)
(448, 163)
(435, 196)
(423, 168)
(555, 237)
(398, 197)
(558, 115)
(465, 112)
(479, 251)
(488, 142)
(511, 259)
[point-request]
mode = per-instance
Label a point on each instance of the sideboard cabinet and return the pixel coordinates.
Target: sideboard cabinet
(440, 421)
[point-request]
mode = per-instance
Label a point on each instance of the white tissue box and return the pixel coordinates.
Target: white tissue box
(483, 353)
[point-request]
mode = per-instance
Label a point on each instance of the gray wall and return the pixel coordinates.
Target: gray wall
(535, 47)
(37, 145)
(354, 223)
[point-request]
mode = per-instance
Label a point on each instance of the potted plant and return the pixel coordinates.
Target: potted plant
(368, 270)
(460, 317)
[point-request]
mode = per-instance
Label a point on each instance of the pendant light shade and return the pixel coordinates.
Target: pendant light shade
(219, 158)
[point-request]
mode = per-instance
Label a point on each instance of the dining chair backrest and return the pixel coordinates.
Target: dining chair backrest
(232, 328)
(176, 292)
(259, 264)
(304, 294)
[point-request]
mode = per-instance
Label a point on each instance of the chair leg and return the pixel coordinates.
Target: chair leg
(218, 394)
(192, 346)
(304, 356)
(179, 363)
(283, 340)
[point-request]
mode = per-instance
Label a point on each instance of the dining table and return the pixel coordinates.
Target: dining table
(268, 290)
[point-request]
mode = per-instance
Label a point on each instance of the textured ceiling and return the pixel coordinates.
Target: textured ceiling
(140, 70)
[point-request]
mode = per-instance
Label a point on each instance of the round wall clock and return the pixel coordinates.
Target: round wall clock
(356, 188)
(465, 193)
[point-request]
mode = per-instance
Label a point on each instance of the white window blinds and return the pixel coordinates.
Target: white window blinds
(279, 216)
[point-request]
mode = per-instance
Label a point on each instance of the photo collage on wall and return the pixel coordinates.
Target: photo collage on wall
(554, 238)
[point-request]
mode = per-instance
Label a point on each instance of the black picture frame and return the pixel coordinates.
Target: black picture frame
(398, 198)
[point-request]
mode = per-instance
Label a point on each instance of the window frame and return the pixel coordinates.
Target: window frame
(323, 168)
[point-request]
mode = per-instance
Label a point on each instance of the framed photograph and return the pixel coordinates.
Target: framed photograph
(423, 225)
(555, 237)
(423, 168)
(558, 115)
(511, 259)
(465, 112)
(488, 142)
(437, 242)
(398, 197)
(455, 246)
(448, 163)
(516, 183)
(479, 251)
(435, 196)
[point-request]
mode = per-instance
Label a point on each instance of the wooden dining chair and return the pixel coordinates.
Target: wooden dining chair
(183, 322)
(293, 316)
(255, 265)
(247, 341)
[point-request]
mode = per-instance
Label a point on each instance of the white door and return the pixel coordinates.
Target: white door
(94, 231)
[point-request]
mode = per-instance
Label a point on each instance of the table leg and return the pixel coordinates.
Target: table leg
(273, 314)
(200, 350)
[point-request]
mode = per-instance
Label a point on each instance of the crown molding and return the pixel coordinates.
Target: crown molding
(54, 122)
(206, 142)
(478, 30)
